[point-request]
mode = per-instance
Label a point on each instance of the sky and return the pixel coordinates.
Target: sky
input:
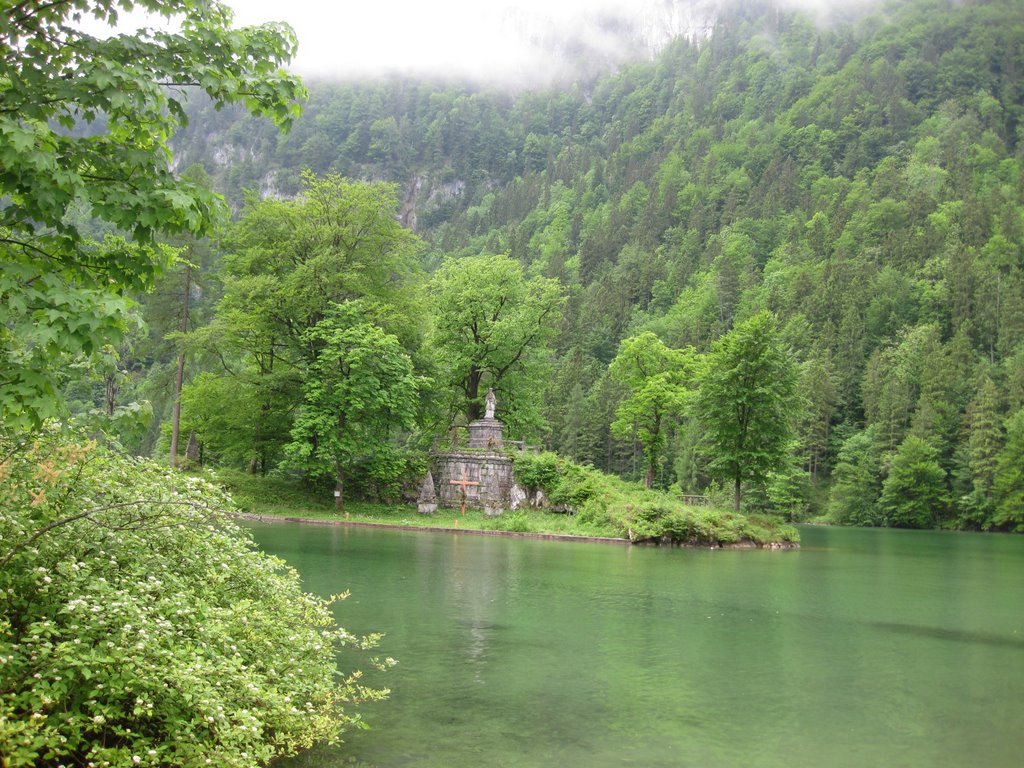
(487, 40)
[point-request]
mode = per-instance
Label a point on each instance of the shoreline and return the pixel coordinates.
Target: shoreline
(254, 517)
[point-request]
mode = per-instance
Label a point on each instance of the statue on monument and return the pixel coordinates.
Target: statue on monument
(491, 403)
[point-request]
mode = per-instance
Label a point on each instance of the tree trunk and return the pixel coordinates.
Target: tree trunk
(110, 393)
(472, 394)
(649, 477)
(736, 496)
(179, 376)
(339, 490)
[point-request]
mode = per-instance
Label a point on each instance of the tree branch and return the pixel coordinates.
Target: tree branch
(29, 14)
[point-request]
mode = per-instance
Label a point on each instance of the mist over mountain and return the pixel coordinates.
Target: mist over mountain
(509, 43)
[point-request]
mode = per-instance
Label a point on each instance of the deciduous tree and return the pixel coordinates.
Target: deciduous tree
(746, 403)
(359, 389)
(292, 263)
(85, 123)
(914, 493)
(658, 379)
(492, 325)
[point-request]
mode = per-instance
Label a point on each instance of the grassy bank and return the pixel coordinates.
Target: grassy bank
(278, 497)
(592, 504)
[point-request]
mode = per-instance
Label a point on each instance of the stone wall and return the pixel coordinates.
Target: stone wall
(492, 473)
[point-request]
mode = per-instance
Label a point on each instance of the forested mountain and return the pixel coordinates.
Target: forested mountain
(861, 181)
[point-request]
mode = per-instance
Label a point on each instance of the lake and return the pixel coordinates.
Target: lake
(864, 648)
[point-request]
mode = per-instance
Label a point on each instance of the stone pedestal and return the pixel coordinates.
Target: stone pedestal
(486, 434)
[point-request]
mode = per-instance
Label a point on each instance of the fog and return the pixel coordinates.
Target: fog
(525, 42)
(499, 40)
(530, 41)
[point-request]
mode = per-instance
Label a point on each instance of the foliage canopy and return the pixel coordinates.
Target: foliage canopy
(746, 402)
(492, 324)
(85, 123)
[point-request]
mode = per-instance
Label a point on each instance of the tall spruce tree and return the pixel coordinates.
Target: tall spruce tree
(1009, 481)
(984, 442)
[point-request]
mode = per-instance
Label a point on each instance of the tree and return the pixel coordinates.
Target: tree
(140, 625)
(491, 326)
(984, 442)
(857, 482)
(179, 375)
(242, 419)
(914, 493)
(189, 280)
(746, 401)
(292, 261)
(892, 385)
(360, 388)
(1009, 480)
(84, 126)
(817, 389)
(657, 377)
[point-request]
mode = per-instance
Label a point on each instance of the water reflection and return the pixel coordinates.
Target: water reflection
(864, 648)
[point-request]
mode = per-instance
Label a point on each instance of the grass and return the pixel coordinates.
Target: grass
(277, 496)
(602, 506)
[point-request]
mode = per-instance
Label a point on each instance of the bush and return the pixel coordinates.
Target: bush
(537, 470)
(699, 526)
(576, 485)
(594, 513)
(139, 626)
(612, 506)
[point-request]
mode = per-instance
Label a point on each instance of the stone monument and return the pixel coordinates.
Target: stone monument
(488, 431)
(427, 504)
(478, 474)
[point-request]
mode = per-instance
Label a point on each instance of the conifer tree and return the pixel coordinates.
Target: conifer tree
(856, 482)
(914, 493)
(985, 439)
(1009, 481)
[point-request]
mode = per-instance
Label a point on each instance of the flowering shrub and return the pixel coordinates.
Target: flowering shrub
(139, 626)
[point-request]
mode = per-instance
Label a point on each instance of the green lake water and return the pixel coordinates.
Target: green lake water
(864, 648)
